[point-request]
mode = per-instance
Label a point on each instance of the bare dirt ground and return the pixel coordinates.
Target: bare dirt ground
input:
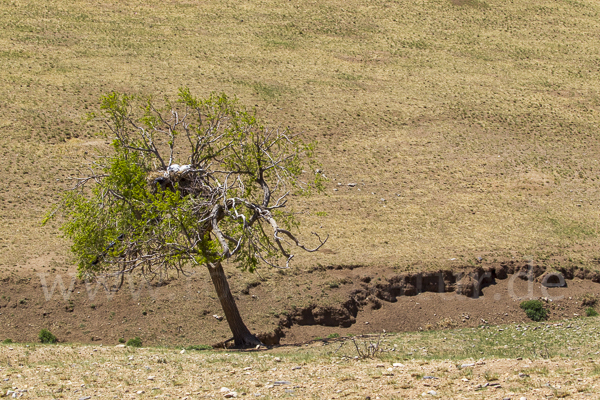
(318, 303)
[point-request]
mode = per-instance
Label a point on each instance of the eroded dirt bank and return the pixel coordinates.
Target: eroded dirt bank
(287, 308)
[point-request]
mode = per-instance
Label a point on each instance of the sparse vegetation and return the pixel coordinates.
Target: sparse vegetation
(47, 337)
(7, 341)
(135, 342)
(534, 309)
(591, 312)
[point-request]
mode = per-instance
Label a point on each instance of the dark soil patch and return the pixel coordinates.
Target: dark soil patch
(335, 300)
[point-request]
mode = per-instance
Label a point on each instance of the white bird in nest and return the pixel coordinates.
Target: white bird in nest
(178, 169)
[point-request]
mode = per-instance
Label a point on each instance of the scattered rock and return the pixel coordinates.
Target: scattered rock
(467, 365)
(352, 184)
(398, 365)
(217, 317)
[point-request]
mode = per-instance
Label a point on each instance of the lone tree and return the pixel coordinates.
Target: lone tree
(193, 182)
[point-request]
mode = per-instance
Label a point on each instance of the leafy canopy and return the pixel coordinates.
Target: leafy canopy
(190, 182)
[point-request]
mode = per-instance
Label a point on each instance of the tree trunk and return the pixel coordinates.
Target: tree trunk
(241, 335)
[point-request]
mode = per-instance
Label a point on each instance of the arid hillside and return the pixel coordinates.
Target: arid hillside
(454, 135)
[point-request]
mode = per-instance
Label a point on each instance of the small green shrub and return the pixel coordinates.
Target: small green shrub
(46, 336)
(135, 342)
(333, 335)
(121, 340)
(7, 341)
(534, 309)
(199, 347)
(590, 312)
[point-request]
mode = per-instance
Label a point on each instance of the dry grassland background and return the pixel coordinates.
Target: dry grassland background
(470, 128)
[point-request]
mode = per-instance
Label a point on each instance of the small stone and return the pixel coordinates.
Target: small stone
(352, 184)
(140, 392)
(217, 317)
(467, 365)
(182, 351)
(224, 390)
(432, 392)
(279, 383)
(230, 395)
(277, 359)
(398, 365)
(151, 378)
(296, 367)
(85, 398)
(380, 366)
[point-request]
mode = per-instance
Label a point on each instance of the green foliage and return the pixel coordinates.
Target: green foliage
(7, 341)
(46, 336)
(199, 347)
(140, 214)
(333, 336)
(121, 340)
(135, 342)
(590, 312)
(534, 309)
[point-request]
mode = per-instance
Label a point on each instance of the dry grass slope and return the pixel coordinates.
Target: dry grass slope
(446, 362)
(470, 127)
